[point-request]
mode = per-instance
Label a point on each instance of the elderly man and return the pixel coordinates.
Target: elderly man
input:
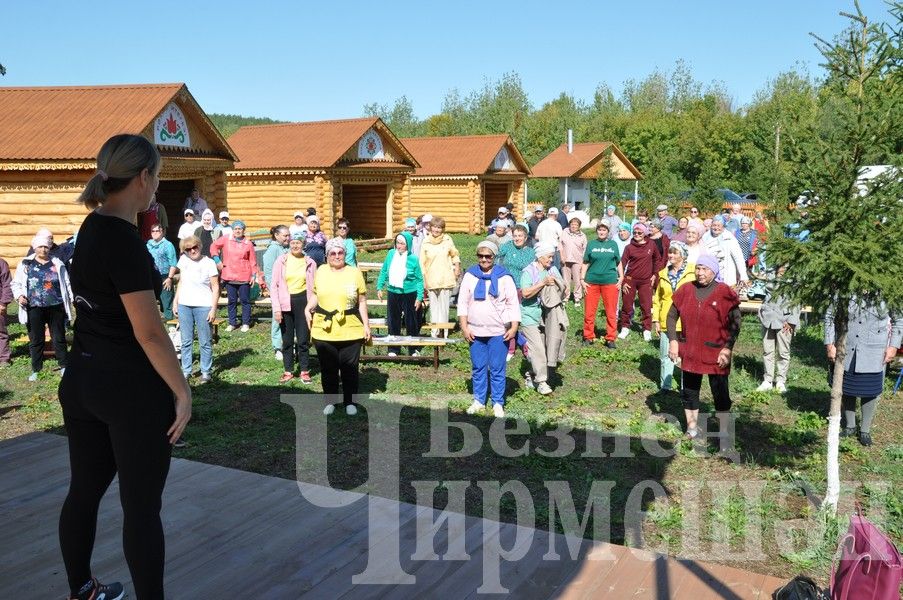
(722, 244)
(549, 232)
(188, 226)
(195, 202)
(539, 214)
(614, 221)
(563, 218)
(668, 222)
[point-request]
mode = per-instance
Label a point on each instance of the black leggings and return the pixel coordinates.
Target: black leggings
(295, 335)
(692, 382)
(54, 317)
(401, 307)
(116, 419)
(336, 357)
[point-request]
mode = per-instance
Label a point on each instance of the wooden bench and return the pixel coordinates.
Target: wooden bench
(445, 327)
(422, 342)
(214, 327)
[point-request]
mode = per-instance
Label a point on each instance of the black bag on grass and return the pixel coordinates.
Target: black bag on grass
(799, 588)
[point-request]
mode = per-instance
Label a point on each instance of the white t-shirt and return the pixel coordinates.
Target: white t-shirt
(194, 281)
(188, 229)
(293, 228)
(549, 231)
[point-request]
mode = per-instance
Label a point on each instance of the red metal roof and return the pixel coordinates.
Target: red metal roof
(460, 155)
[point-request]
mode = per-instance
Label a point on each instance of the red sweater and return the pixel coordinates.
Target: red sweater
(705, 327)
(640, 260)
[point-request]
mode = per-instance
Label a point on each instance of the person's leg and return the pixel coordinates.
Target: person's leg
(36, 324)
(328, 356)
(721, 393)
(301, 331)
(849, 411)
(666, 372)
(93, 467)
(56, 316)
(609, 293)
(275, 335)
(409, 315)
(628, 295)
(205, 338)
(536, 343)
(644, 290)
(722, 397)
(288, 339)
(769, 345)
(244, 294)
(186, 331)
(869, 406)
(783, 349)
(567, 274)
(497, 348)
(576, 281)
(479, 364)
(232, 296)
(5, 354)
(593, 293)
(442, 312)
(393, 318)
(166, 297)
(689, 396)
(349, 354)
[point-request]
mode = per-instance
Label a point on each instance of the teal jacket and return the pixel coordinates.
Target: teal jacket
(413, 280)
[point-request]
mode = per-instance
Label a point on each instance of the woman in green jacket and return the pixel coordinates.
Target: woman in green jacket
(402, 275)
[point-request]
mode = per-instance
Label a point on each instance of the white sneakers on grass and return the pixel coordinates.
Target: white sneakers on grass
(765, 386)
(647, 335)
(278, 355)
(498, 411)
(624, 333)
(780, 387)
(244, 328)
(474, 408)
(543, 388)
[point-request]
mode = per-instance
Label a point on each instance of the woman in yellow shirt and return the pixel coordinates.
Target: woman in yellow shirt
(293, 282)
(339, 325)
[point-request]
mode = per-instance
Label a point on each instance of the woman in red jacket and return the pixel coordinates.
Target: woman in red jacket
(640, 261)
(238, 273)
(709, 313)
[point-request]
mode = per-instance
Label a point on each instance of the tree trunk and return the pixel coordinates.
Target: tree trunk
(832, 494)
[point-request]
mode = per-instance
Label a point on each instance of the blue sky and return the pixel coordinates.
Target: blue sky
(308, 61)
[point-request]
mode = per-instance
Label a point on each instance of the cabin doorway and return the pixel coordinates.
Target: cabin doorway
(496, 195)
(171, 195)
(366, 207)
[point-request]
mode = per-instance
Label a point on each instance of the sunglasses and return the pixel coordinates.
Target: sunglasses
(343, 227)
(337, 253)
(192, 248)
(694, 211)
(486, 256)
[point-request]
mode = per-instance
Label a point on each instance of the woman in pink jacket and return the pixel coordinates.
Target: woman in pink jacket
(573, 244)
(239, 271)
(293, 285)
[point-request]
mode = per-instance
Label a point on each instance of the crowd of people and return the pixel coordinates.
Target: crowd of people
(683, 275)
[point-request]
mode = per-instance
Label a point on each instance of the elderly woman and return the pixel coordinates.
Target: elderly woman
(779, 318)
(401, 274)
(709, 313)
(680, 232)
(279, 238)
(41, 286)
(873, 337)
(299, 223)
(501, 233)
(239, 271)
(489, 314)
(721, 243)
(748, 240)
(515, 255)
(164, 255)
(440, 263)
(206, 232)
(661, 240)
(293, 285)
(622, 238)
(187, 228)
(541, 336)
(573, 246)
(694, 243)
(315, 241)
(195, 304)
(343, 229)
(339, 325)
(677, 272)
(601, 277)
(695, 219)
(639, 261)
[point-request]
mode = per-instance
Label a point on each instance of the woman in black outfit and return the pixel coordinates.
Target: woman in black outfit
(123, 395)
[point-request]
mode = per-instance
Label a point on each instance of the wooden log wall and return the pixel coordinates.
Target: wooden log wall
(266, 201)
(449, 199)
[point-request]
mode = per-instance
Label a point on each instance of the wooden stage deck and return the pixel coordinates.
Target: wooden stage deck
(234, 534)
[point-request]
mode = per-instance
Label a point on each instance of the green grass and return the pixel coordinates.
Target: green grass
(607, 398)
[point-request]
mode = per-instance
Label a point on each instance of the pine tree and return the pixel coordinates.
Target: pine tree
(855, 249)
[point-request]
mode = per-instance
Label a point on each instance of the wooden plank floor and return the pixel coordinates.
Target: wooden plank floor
(235, 534)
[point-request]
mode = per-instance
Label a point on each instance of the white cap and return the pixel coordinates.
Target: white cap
(503, 209)
(426, 218)
(661, 207)
(539, 209)
(188, 211)
(553, 211)
(299, 213)
(223, 213)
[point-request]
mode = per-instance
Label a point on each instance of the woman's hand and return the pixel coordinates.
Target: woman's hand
(889, 355)
(379, 294)
(175, 309)
(23, 301)
(183, 415)
(418, 304)
(211, 316)
(724, 358)
(366, 332)
(657, 327)
(832, 352)
(624, 286)
(465, 330)
(510, 333)
(277, 316)
(585, 286)
(309, 317)
(549, 280)
(674, 352)
(167, 284)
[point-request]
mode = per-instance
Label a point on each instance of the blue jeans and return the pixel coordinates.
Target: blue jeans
(189, 318)
(275, 334)
(487, 359)
(666, 373)
(166, 297)
(239, 292)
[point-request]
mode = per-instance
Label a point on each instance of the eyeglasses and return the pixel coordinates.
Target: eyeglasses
(694, 210)
(337, 253)
(486, 256)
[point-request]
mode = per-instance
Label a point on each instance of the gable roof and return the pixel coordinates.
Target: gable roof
(462, 154)
(581, 161)
(310, 145)
(71, 123)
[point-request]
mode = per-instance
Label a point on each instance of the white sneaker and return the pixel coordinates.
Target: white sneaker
(647, 335)
(781, 388)
(244, 328)
(230, 328)
(528, 380)
(576, 305)
(329, 409)
(498, 411)
(62, 371)
(392, 355)
(33, 377)
(624, 333)
(765, 386)
(509, 356)
(475, 408)
(543, 388)
(278, 355)
(351, 410)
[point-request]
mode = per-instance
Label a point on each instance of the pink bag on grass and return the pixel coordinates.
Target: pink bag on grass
(870, 565)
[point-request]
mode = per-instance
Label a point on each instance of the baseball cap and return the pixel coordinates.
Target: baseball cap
(553, 211)
(661, 207)
(224, 213)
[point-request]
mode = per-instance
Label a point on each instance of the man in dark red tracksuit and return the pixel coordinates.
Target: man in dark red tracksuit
(639, 260)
